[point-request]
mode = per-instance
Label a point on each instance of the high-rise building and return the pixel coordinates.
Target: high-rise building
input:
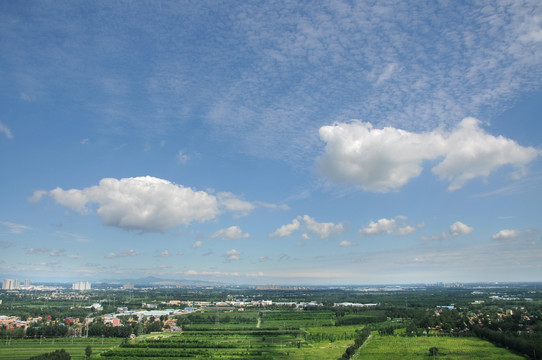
(128, 286)
(81, 285)
(7, 284)
(17, 284)
(27, 284)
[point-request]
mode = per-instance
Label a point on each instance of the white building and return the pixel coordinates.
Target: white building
(7, 284)
(81, 285)
(128, 286)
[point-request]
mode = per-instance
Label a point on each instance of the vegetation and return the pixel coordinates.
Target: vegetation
(55, 355)
(415, 322)
(417, 348)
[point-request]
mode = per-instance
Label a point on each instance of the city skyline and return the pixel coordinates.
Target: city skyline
(271, 143)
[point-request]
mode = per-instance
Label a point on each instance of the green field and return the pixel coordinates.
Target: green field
(262, 334)
(24, 349)
(450, 348)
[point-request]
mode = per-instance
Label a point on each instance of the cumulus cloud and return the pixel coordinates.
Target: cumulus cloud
(164, 253)
(506, 234)
(231, 255)
(36, 196)
(383, 160)
(231, 233)
(395, 226)
(15, 228)
(322, 230)
(140, 203)
(5, 130)
(127, 253)
(346, 243)
(286, 230)
(456, 229)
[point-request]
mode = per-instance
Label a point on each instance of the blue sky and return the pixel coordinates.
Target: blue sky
(271, 142)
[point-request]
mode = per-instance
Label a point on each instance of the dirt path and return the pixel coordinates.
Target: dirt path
(259, 323)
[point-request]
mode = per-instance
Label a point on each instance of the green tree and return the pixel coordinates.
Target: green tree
(88, 351)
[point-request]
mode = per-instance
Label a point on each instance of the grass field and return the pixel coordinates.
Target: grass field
(450, 348)
(24, 349)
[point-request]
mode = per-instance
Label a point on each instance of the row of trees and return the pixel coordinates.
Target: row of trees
(528, 345)
(351, 350)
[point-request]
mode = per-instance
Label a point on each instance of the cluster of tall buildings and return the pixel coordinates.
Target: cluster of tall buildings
(81, 285)
(14, 284)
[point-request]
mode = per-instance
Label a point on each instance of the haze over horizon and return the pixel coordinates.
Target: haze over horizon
(271, 143)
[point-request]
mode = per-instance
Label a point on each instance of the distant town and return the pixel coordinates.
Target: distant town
(275, 320)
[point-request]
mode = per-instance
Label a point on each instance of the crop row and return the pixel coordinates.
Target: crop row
(176, 353)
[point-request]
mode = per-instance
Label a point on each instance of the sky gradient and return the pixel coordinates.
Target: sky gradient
(271, 142)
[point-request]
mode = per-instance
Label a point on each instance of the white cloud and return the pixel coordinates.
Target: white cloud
(5, 130)
(234, 203)
(164, 253)
(346, 243)
(127, 253)
(141, 203)
(182, 158)
(384, 160)
(471, 153)
(263, 259)
(379, 227)
(395, 226)
(36, 196)
(37, 251)
(387, 73)
(231, 233)
(323, 230)
(506, 234)
(196, 245)
(180, 253)
(57, 253)
(232, 255)
(456, 229)
(286, 230)
(15, 228)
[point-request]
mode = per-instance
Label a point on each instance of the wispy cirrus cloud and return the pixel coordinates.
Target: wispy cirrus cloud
(405, 64)
(127, 253)
(15, 228)
(5, 130)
